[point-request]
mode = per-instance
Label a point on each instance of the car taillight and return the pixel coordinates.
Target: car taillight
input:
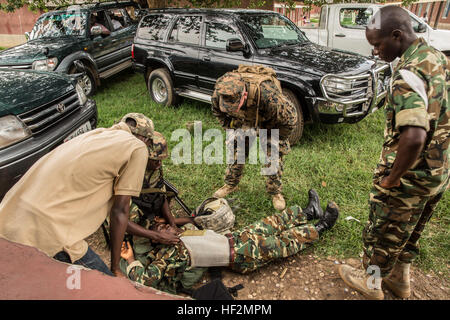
(132, 51)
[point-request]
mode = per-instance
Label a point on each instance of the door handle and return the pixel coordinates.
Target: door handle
(206, 58)
(341, 35)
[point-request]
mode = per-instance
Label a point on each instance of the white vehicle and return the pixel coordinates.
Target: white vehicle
(342, 26)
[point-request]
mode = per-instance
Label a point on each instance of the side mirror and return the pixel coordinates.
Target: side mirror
(422, 27)
(234, 45)
(96, 31)
(27, 35)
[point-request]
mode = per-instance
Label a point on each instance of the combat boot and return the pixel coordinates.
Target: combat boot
(278, 202)
(313, 210)
(398, 281)
(329, 218)
(224, 191)
(358, 279)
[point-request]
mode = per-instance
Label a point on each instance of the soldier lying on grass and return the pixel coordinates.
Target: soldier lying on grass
(245, 250)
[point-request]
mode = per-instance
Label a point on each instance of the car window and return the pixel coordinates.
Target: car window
(153, 26)
(99, 19)
(355, 18)
(186, 30)
(60, 24)
(117, 17)
(272, 30)
(217, 35)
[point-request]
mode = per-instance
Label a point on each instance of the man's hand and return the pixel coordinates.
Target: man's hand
(165, 237)
(126, 252)
(386, 183)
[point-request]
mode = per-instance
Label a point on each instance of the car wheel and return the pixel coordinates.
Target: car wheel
(87, 80)
(298, 131)
(160, 87)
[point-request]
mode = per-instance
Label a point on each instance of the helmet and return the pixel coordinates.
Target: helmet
(215, 214)
(158, 150)
(144, 125)
(229, 88)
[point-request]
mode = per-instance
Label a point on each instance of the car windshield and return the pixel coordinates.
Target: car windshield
(60, 25)
(272, 30)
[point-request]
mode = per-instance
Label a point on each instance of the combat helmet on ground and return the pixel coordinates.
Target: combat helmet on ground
(215, 214)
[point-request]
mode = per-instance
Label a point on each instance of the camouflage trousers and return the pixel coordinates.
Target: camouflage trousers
(235, 170)
(396, 220)
(279, 236)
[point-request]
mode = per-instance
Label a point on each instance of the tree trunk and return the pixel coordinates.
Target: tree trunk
(157, 3)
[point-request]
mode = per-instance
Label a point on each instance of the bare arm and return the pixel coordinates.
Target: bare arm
(411, 143)
(119, 220)
(157, 236)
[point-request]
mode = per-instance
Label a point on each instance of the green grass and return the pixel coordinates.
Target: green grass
(336, 160)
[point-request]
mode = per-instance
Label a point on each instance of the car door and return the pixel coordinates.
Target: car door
(122, 35)
(350, 30)
(214, 59)
(101, 47)
(182, 52)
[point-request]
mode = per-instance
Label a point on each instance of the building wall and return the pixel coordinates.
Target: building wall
(438, 12)
(14, 25)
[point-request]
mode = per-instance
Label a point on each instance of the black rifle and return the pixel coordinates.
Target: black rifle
(171, 188)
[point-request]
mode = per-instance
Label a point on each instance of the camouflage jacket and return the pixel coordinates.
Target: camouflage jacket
(419, 96)
(275, 112)
(164, 267)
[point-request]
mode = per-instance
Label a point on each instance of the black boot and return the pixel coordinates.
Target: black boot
(313, 210)
(329, 218)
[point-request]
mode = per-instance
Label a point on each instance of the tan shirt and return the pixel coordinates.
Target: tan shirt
(67, 194)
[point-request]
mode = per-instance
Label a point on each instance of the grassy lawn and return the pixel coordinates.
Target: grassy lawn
(336, 160)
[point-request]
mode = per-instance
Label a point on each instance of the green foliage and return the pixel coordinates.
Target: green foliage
(336, 160)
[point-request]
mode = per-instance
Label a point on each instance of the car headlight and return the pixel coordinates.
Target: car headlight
(12, 130)
(337, 85)
(45, 65)
(81, 95)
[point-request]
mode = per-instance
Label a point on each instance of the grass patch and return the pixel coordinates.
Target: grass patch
(336, 160)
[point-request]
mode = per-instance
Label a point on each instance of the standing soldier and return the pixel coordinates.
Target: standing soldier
(251, 98)
(412, 174)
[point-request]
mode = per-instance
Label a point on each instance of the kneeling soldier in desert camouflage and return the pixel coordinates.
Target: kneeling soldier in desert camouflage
(251, 98)
(279, 236)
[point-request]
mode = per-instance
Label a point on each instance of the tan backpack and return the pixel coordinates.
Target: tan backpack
(254, 76)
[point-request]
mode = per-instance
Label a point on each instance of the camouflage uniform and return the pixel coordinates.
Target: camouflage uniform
(398, 215)
(278, 236)
(275, 112)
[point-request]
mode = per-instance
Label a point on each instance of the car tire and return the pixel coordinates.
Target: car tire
(160, 87)
(87, 81)
(298, 131)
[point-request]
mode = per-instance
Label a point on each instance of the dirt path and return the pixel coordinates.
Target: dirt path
(306, 277)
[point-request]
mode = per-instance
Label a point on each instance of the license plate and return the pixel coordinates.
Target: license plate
(85, 127)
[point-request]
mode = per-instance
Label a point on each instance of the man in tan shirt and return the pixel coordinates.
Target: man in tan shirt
(67, 194)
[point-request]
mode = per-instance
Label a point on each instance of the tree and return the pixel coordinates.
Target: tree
(12, 5)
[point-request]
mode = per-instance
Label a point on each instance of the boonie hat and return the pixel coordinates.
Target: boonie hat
(144, 125)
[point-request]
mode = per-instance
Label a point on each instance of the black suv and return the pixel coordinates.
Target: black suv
(182, 52)
(97, 35)
(38, 111)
